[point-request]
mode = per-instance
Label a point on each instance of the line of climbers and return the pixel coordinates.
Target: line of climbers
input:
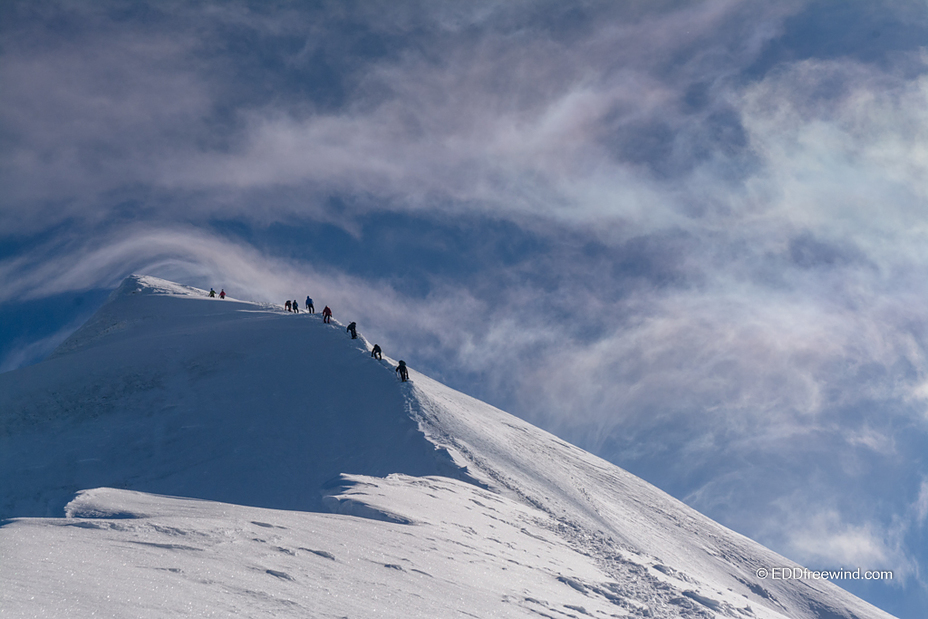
(351, 329)
(294, 306)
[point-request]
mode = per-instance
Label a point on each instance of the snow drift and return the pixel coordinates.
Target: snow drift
(180, 455)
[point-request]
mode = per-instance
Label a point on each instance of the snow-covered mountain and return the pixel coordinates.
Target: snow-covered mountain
(182, 455)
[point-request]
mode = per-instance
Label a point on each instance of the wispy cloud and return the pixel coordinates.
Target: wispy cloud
(516, 120)
(824, 539)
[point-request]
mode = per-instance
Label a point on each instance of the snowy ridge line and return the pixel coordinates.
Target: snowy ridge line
(105, 322)
(146, 284)
(269, 424)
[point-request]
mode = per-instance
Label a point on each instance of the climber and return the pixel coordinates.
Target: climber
(403, 370)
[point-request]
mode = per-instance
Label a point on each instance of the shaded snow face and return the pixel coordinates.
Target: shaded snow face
(169, 391)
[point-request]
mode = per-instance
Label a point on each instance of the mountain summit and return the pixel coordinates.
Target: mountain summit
(185, 455)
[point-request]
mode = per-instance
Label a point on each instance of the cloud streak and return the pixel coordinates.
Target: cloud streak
(514, 121)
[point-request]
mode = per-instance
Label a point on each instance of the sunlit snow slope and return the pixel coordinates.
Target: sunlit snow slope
(317, 485)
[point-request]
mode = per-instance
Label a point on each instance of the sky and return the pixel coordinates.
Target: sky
(689, 237)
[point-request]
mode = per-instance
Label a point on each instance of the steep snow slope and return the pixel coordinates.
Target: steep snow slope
(166, 391)
(655, 546)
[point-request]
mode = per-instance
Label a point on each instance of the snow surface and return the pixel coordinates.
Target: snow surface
(439, 505)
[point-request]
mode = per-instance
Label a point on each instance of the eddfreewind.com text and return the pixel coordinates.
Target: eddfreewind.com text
(803, 573)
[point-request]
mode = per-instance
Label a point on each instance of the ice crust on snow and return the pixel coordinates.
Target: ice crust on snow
(316, 484)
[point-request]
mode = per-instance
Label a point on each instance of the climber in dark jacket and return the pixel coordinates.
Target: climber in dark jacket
(376, 352)
(353, 330)
(403, 370)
